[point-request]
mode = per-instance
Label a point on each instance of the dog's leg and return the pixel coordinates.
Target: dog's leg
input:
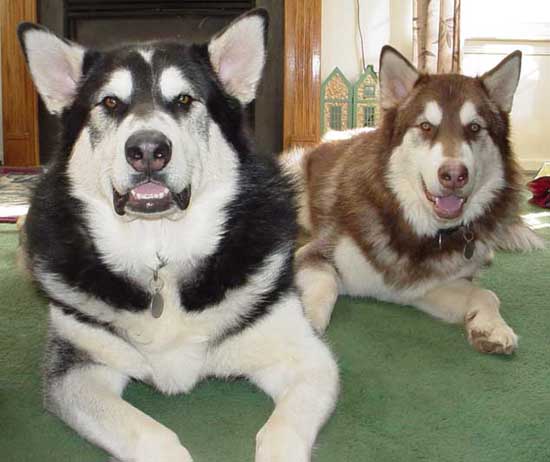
(88, 398)
(478, 309)
(304, 385)
(283, 356)
(317, 281)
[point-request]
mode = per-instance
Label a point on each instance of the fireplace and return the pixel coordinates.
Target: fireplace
(105, 23)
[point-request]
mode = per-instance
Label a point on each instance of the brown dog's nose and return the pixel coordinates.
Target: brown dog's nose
(148, 151)
(453, 175)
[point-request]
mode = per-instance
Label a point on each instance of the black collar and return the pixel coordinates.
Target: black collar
(448, 231)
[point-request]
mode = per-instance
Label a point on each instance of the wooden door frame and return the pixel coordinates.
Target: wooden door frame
(302, 73)
(19, 98)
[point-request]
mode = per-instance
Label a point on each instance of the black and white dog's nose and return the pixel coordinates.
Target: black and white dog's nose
(148, 151)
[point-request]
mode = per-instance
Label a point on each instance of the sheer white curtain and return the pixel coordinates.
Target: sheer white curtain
(436, 35)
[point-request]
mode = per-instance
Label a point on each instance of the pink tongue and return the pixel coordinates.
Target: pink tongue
(449, 204)
(149, 188)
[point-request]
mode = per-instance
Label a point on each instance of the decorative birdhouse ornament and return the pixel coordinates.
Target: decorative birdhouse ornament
(336, 102)
(366, 109)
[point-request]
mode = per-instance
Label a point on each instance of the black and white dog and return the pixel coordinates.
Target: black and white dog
(164, 244)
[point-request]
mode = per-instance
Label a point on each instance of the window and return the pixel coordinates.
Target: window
(509, 19)
(369, 91)
(493, 28)
(336, 117)
(369, 116)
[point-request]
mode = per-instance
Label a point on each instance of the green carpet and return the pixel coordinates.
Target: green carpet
(413, 389)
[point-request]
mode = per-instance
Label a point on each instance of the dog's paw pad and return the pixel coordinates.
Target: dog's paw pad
(492, 338)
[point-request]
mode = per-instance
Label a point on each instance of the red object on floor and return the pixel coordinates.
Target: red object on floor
(541, 191)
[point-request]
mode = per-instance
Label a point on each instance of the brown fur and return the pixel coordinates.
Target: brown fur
(358, 189)
(348, 192)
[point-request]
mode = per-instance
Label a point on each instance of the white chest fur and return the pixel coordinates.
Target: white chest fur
(360, 278)
(170, 351)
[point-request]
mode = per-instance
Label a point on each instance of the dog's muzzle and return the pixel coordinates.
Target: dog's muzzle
(453, 176)
(148, 152)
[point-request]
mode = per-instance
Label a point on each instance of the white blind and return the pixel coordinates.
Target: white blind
(506, 19)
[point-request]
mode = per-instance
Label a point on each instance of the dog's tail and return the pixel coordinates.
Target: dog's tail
(518, 237)
(293, 163)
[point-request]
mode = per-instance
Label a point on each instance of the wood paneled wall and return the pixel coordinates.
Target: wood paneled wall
(19, 99)
(302, 77)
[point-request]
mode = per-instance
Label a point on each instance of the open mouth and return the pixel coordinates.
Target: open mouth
(446, 207)
(151, 198)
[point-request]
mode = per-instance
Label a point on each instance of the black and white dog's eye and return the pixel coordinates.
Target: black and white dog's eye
(474, 127)
(110, 102)
(184, 100)
(426, 126)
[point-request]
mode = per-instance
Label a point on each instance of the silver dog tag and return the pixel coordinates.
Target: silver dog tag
(470, 246)
(157, 302)
(469, 250)
(157, 305)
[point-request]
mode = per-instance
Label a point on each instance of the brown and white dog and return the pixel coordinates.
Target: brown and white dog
(410, 212)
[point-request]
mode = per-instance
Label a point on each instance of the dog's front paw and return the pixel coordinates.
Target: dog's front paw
(491, 336)
(161, 446)
(317, 315)
(319, 291)
(280, 443)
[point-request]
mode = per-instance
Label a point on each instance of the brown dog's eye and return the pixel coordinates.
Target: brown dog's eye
(426, 127)
(110, 102)
(474, 127)
(184, 100)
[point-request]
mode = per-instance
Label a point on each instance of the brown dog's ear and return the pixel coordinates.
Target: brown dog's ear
(238, 54)
(55, 65)
(501, 81)
(397, 77)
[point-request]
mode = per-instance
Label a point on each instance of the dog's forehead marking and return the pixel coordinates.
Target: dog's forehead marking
(433, 113)
(468, 113)
(120, 85)
(172, 83)
(147, 54)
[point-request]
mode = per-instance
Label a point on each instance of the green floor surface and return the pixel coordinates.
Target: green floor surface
(412, 387)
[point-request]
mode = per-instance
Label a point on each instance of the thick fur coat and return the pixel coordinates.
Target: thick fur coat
(165, 244)
(411, 211)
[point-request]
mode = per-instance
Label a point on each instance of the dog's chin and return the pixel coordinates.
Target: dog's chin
(447, 208)
(151, 200)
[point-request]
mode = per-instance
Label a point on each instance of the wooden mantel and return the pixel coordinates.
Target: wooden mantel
(19, 99)
(302, 72)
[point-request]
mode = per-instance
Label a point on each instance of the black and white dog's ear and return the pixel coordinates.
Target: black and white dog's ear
(55, 65)
(238, 54)
(397, 77)
(501, 81)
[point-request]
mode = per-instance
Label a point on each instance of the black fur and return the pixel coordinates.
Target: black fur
(60, 243)
(81, 317)
(62, 356)
(261, 219)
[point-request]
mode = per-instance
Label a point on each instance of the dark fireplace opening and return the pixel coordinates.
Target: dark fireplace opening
(107, 23)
